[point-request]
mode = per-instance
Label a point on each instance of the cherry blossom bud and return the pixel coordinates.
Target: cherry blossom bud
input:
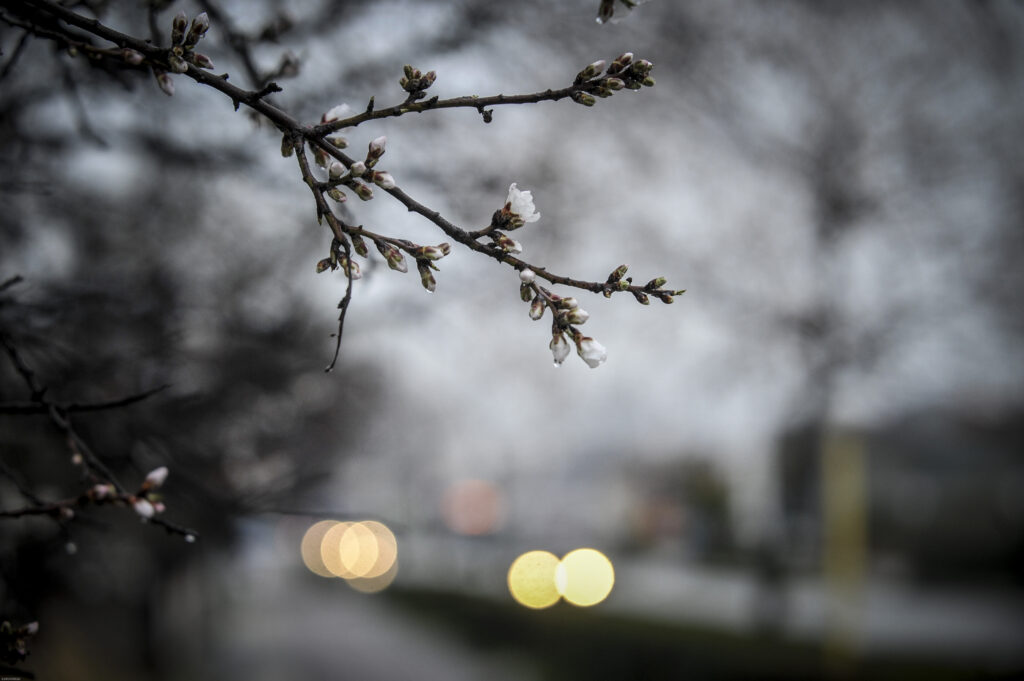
(200, 25)
(408, 70)
(392, 256)
(592, 352)
(426, 276)
(383, 180)
(590, 71)
(577, 315)
(176, 63)
(506, 243)
(428, 79)
(178, 25)
(618, 273)
(156, 478)
(201, 60)
(350, 268)
(537, 309)
(583, 98)
(527, 276)
(363, 191)
(568, 303)
(337, 113)
(641, 68)
(143, 508)
(132, 57)
(620, 63)
(615, 84)
(641, 298)
(359, 244)
(335, 169)
(657, 282)
(324, 265)
(320, 157)
(339, 142)
(287, 149)
(433, 252)
(526, 293)
(648, 81)
(559, 348)
(358, 169)
(376, 149)
(605, 11)
(337, 195)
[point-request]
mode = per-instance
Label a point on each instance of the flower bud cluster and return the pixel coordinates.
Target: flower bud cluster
(183, 43)
(623, 73)
(618, 281)
(566, 313)
(146, 502)
(416, 82)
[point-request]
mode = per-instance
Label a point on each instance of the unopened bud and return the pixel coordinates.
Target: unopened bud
(620, 63)
(426, 276)
(537, 308)
(428, 79)
(200, 25)
(641, 67)
(337, 195)
(132, 57)
(641, 298)
(324, 265)
(383, 180)
(527, 276)
(201, 60)
(178, 26)
(407, 70)
(618, 273)
(376, 149)
(590, 71)
(363, 191)
(559, 348)
(177, 64)
(286, 146)
(526, 293)
(156, 477)
(393, 256)
(568, 303)
(648, 81)
(339, 142)
(432, 252)
(351, 268)
(506, 243)
(657, 282)
(577, 315)
(359, 245)
(336, 169)
(143, 508)
(614, 84)
(583, 98)
(358, 169)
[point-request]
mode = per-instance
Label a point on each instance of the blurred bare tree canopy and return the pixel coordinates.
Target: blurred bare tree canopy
(839, 186)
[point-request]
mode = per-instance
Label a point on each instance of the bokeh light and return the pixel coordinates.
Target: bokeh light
(584, 577)
(365, 553)
(472, 507)
(531, 579)
(310, 548)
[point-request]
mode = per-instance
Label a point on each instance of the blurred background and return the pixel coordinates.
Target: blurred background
(809, 466)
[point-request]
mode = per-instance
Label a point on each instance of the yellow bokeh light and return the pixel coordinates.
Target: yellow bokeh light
(531, 579)
(369, 585)
(310, 547)
(387, 550)
(364, 553)
(330, 551)
(584, 577)
(358, 549)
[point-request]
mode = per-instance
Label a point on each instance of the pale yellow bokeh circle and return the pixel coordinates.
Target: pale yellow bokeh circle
(531, 579)
(358, 549)
(330, 550)
(369, 585)
(584, 577)
(387, 549)
(310, 547)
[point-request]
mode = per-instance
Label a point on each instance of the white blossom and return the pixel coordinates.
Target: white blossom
(156, 477)
(144, 508)
(559, 348)
(337, 113)
(592, 352)
(520, 204)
